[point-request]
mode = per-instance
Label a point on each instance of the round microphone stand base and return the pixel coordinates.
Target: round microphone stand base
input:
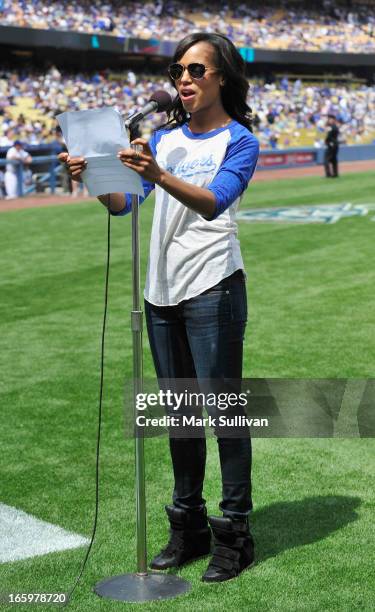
(135, 588)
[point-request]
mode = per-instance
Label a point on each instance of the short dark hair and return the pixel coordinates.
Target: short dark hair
(233, 68)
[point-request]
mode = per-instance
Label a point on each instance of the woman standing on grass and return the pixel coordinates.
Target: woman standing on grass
(199, 164)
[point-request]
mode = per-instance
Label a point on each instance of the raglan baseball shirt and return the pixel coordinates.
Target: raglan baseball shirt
(189, 253)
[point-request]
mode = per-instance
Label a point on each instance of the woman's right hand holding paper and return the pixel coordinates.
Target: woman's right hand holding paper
(74, 165)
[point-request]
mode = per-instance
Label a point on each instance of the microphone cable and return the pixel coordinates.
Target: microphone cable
(77, 580)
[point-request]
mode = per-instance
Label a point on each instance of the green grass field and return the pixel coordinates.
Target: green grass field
(311, 314)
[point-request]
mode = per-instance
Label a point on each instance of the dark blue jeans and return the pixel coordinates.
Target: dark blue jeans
(202, 338)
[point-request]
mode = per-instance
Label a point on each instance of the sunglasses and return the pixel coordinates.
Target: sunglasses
(196, 71)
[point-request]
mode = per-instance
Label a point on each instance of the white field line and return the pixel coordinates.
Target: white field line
(23, 536)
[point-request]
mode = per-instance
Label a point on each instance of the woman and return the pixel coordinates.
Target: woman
(199, 164)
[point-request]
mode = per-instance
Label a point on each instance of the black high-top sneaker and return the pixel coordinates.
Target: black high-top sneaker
(190, 538)
(233, 549)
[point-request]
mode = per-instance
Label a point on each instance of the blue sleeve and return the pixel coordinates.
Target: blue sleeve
(235, 171)
(147, 186)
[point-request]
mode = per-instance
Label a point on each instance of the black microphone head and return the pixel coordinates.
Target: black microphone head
(163, 100)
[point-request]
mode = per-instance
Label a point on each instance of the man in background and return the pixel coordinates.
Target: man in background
(17, 152)
(332, 148)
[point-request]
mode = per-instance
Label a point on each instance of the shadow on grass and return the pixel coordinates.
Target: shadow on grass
(286, 525)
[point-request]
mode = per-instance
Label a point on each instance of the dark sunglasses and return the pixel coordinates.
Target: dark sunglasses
(196, 71)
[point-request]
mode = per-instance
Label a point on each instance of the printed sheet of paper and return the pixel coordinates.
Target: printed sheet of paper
(97, 135)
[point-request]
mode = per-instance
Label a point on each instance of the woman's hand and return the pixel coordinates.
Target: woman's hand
(198, 199)
(74, 165)
(144, 163)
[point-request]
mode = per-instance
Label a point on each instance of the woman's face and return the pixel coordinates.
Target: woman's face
(200, 94)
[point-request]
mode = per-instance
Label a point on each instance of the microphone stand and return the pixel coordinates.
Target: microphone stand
(141, 585)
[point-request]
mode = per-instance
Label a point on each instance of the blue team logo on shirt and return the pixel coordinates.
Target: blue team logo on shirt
(201, 165)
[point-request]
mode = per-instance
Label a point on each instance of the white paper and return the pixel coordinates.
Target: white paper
(98, 135)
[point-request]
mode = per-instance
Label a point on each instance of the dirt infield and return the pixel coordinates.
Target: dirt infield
(39, 201)
(42, 200)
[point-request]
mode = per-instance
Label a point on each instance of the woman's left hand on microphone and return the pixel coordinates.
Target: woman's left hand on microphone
(144, 163)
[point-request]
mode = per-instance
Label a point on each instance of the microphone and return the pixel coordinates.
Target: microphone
(158, 103)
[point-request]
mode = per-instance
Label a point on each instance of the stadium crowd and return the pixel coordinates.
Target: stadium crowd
(322, 25)
(30, 100)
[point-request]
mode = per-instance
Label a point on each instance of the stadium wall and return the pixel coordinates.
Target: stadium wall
(352, 153)
(298, 158)
(45, 162)
(31, 37)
